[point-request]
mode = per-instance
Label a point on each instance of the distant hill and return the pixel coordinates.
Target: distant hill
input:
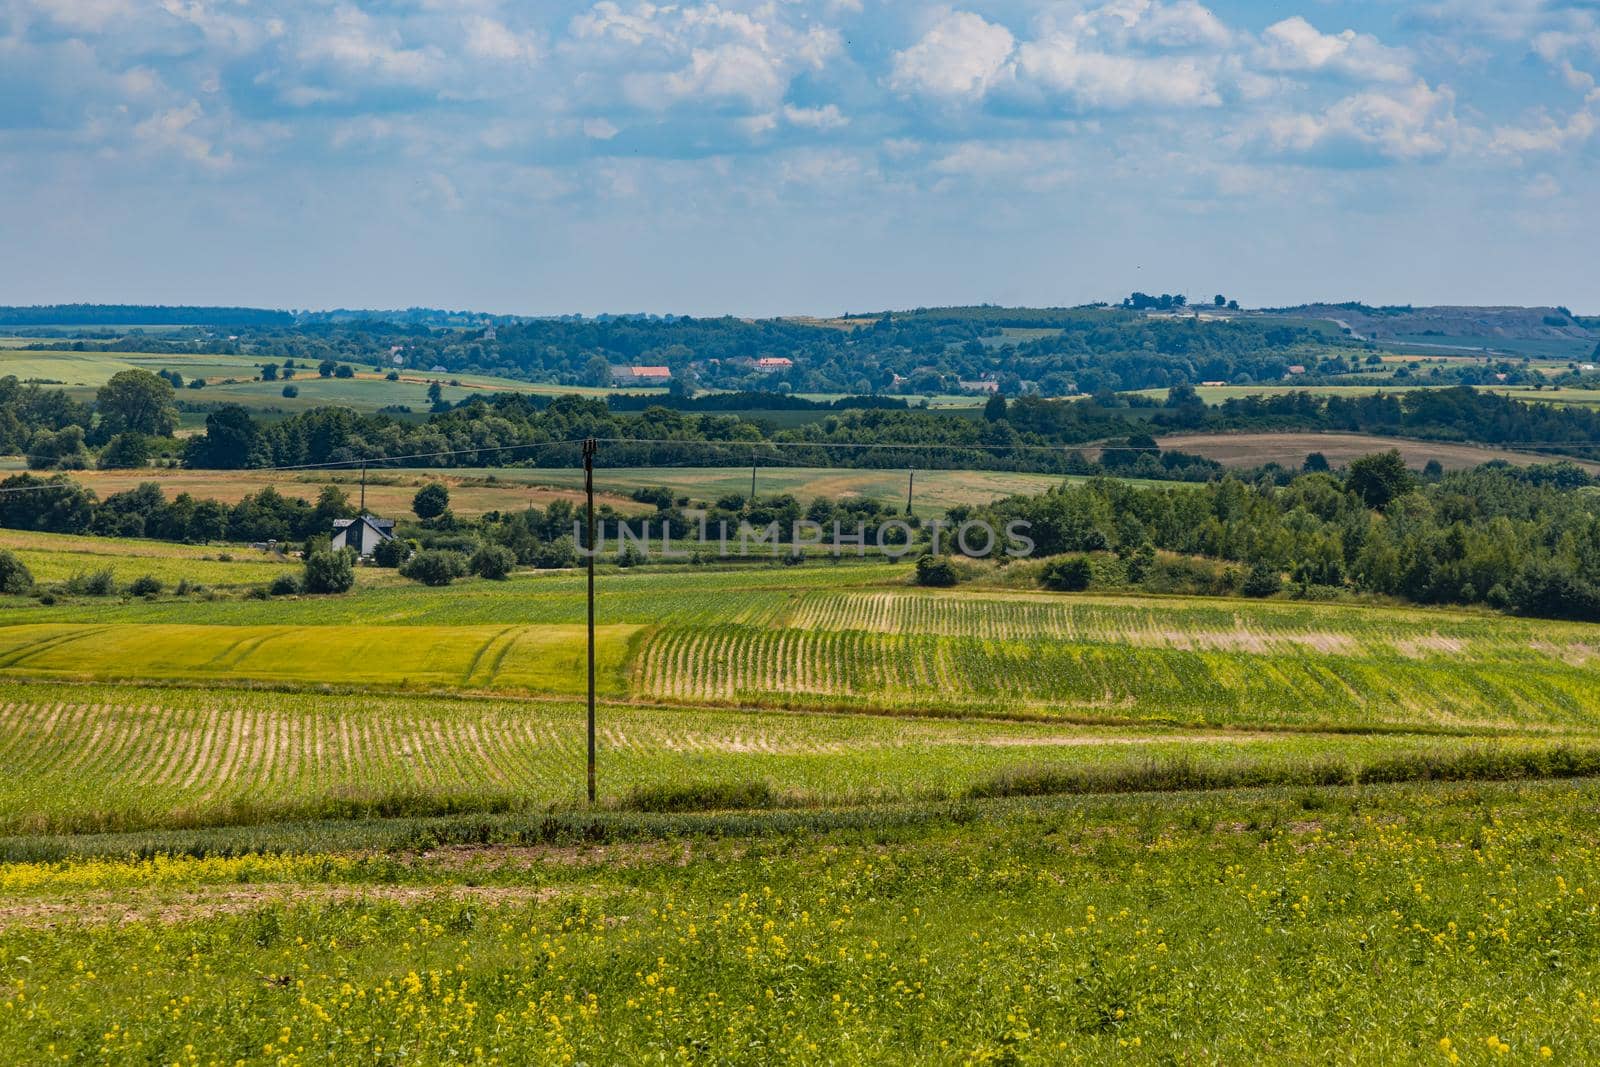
(140, 315)
(1547, 331)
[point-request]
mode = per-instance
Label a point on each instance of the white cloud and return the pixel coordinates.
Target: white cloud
(175, 130)
(827, 117)
(1415, 123)
(961, 55)
(1095, 80)
(1294, 45)
(489, 38)
(599, 129)
(1546, 134)
(354, 42)
(672, 55)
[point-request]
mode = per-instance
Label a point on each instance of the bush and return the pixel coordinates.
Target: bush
(435, 567)
(145, 585)
(125, 451)
(557, 554)
(15, 578)
(493, 561)
(92, 583)
(700, 796)
(1262, 581)
(391, 553)
(937, 571)
(285, 584)
(328, 571)
(1071, 575)
(291, 391)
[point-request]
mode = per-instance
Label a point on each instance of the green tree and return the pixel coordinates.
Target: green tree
(269, 372)
(1072, 574)
(430, 501)
(136, 401)
(596, 372)
(291, 391)
(994, 409)
(230, 442)
(1380, 478)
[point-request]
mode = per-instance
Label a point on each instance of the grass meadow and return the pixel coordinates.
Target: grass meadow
(841, 819)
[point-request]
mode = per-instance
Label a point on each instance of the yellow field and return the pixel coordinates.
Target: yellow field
(509, 658)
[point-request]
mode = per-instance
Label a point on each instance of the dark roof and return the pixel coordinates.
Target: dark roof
(381, 525)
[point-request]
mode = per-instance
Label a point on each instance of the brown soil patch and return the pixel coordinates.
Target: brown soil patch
(1291, 449)
(126, 905)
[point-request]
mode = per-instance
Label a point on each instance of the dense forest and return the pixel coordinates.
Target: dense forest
(1521, 539)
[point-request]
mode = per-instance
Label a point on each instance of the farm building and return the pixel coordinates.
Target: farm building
(641, 375)
(362, 534)
(771, 364)
(980, 386)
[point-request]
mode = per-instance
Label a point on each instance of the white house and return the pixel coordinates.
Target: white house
(362, 534)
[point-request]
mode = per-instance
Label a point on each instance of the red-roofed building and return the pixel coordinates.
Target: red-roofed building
(773, 363)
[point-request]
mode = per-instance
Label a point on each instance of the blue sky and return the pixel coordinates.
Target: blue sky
(808, 156)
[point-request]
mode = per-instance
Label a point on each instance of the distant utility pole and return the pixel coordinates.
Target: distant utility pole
(753, 462)
(911, 482)
(590, 446)
(363, 487)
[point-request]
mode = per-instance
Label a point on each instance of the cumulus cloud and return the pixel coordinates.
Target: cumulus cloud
(179, 130)
(1094, 80)
(960, 55)
(1410, 124)
(674, 55)
(1294, 45)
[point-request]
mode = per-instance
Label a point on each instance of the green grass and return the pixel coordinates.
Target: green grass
(1388, 925)
(53, 558)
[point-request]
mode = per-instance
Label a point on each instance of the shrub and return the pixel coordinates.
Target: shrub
(291, 391)
(145, 585)
(391, 553)
(92, 583)
(285, 584)
(493, 561)
(1262, 581)
(125, 451)
(1071, 575)
(435, 567)
(561, 552)
(937, 571)
(700, 796)
(328, 571)
(15, 578)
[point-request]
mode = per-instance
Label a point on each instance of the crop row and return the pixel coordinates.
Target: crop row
(1290, 683)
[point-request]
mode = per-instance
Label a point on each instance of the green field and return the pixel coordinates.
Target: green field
(236, 379)
(840, 819)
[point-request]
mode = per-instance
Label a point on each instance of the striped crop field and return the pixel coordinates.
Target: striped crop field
(855, 637)
(83, 757)
(513, 658)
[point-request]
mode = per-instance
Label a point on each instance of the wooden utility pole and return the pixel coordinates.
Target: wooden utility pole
(911, 482)
(589, 448)
(752, 481)
(363, 487)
